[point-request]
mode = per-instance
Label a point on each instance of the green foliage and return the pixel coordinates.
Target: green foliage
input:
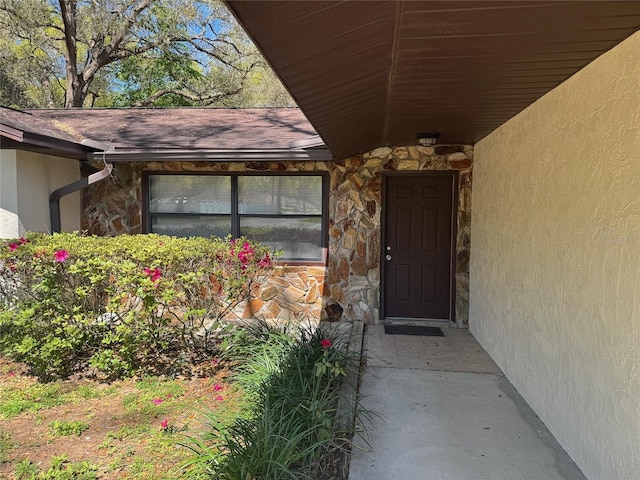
(32, 399)
(60, 469)
(38, 396)
(26, 470)
(68, 428)
(167, 53)
(120, 304)
(6, 445)
(291, 424)
(152, 398)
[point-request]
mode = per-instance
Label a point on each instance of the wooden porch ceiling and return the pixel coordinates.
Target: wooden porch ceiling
(374, 73)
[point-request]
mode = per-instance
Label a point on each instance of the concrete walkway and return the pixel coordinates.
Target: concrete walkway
(446, 412)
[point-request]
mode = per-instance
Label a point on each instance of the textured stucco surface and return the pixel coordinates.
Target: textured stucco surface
(9, 221)
(38, 175)
(555, 260)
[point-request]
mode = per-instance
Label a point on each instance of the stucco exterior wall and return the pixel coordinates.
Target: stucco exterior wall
(37, 176)
(26, 181)
(555, 260)
(9, 221)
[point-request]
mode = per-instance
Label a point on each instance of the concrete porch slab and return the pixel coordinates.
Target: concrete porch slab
(447, 413)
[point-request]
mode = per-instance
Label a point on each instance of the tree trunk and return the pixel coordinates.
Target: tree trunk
(75, 83)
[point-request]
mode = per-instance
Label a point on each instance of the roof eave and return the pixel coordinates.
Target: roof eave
(30, 140)
(216, 155)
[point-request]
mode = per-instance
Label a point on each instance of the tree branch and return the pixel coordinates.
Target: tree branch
(106, 56)
(194, 97)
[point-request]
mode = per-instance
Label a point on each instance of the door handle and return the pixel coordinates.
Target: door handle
(387, 257)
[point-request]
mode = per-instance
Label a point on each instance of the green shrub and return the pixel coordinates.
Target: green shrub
(118, 304)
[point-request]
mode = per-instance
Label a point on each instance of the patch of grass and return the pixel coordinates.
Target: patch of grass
(151, 443)
(38, 396)
(26, 470)
(68, 428)
(156, 385)
(60, 469)
(124, 433)
(91, 391)
(6, 445)
(33, 397)
(153, 397)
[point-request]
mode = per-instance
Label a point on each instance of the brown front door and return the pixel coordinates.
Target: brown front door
(417, 250)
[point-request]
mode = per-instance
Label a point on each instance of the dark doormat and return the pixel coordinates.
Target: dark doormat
(420, 330)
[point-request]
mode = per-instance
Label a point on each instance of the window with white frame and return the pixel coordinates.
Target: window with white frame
(286, 212)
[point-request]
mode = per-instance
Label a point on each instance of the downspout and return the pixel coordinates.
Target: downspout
(54, 198)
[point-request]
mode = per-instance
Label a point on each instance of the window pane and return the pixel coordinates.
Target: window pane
(189, 194)
(280, 195)
(191, 226)
(299, 238)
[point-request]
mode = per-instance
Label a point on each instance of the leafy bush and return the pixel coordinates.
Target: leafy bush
(119, 303)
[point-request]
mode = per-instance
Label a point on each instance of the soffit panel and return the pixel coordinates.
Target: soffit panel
(372, 73)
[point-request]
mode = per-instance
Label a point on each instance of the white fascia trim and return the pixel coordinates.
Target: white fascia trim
(211, 155)
(310, 142)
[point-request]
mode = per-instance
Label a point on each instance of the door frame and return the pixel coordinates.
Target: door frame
(454, 174)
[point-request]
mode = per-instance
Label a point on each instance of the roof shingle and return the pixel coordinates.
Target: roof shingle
(36, 125)
(156, 129)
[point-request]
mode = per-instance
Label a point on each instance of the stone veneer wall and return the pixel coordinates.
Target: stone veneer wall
(355, 205)
(352, 277)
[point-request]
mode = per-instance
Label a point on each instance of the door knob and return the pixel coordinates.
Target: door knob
(388, 257)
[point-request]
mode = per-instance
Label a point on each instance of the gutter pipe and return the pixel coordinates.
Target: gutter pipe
(54, 198)
(214, 155)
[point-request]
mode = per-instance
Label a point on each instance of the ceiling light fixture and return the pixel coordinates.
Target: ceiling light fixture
(427, 139)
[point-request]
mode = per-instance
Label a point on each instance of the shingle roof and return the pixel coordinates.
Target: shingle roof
(153, 129)
(24, 122)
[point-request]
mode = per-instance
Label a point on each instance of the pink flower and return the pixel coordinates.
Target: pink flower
(22, 241)
(60, 256)
(219, 398)
(325, 343)
(13, 247)
(157, 401)
(245, 254)
(217, 387)
(265, 262)
(214, 361)
(154, 274)
(11, 374)
(164, 425)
